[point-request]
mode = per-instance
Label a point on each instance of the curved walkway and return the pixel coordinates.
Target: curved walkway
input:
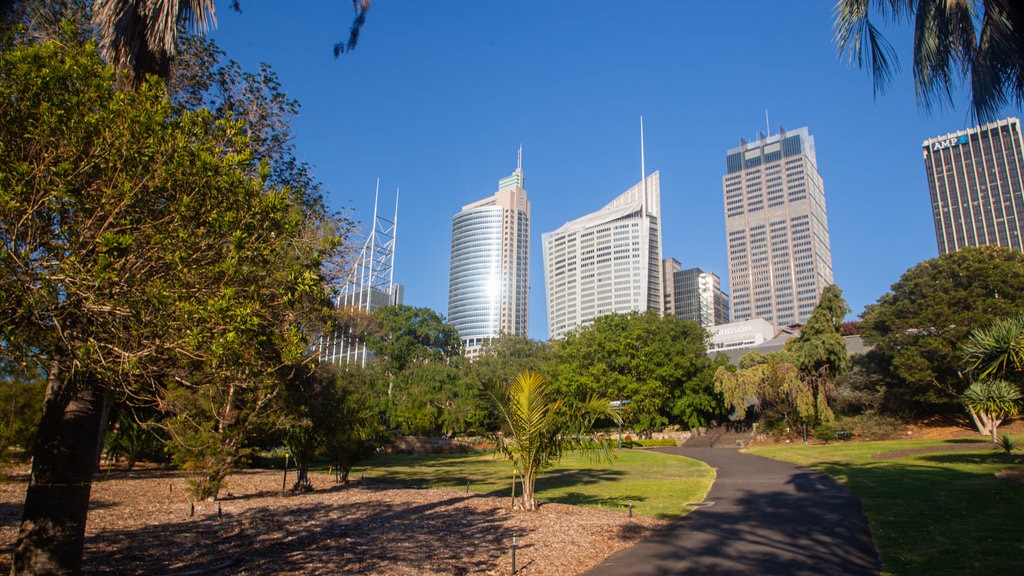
(761, 517)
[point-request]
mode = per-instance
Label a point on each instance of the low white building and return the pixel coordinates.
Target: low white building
(738, 335)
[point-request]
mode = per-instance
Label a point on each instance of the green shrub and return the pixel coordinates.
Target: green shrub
(1006, 443)
(870, 426)
(825, 432)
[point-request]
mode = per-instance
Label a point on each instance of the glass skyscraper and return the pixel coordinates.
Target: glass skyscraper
(780, 258)
(488, 283)
(607, 261)
(975, 183)
(694, 294)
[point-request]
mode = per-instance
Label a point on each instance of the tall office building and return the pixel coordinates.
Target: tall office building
(607, 261)
(693, 294)
(975, 181)
(777, 229)
(488, 283)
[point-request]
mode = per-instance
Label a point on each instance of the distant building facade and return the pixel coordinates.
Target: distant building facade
(489, 282)
(976, 184)
(693, 294)
(604, 262)
(780, 256)
(740, 335)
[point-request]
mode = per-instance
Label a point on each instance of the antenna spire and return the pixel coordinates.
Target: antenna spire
(643, 169)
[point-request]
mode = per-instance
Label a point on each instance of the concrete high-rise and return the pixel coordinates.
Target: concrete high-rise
(608, 261)
(780, 258)
(488, 283)
(975, 182)
(693, 294)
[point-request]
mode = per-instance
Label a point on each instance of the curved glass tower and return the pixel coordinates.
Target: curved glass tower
(488, 283)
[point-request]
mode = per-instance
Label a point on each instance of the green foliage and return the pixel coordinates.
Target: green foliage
(820, 349)
(405, 336)
(871, 426)
(989, 401)
(134, 441)
(934, 306)
(772, 384)
(825, 432)
(21, 402)
(1006, 443)
(996, 351)
(658, 363)
(537, 428)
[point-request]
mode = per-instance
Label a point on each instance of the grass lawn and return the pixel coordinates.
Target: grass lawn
(658, 485)
(931, 513)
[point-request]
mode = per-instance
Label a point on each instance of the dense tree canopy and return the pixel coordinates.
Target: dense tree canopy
(977, 42)
(932, 309)
(144, 260)
(658, 363)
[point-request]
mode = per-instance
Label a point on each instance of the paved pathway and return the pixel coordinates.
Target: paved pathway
(766, 517)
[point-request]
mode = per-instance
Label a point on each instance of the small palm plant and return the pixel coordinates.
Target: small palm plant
(1006, 443)
(536, 428)
(989, 402)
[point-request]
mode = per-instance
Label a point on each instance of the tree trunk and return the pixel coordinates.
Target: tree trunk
(52, 534)
(529, 503)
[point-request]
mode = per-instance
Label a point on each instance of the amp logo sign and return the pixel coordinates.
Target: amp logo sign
(949, 142)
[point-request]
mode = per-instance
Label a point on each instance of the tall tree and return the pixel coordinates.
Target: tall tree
(140, 248)
(820, 348)
(977, 42)
(537, 428)
(933, 307)
(655, 362)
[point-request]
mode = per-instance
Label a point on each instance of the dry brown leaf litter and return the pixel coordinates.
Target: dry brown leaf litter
(139, 523)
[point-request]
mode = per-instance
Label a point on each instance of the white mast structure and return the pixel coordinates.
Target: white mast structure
(371, 283)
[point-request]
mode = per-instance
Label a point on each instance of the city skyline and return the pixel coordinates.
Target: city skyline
(438, 114)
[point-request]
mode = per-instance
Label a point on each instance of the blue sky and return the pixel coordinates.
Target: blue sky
(438, 97)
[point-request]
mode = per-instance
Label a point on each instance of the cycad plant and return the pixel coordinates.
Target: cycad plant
(537, 428)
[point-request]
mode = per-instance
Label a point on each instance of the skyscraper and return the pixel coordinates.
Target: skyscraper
(607, 261)
(780, 259)
(975, 183)
(488, 283)
(693, 294)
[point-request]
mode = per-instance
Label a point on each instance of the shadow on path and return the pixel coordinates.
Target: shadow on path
(763, 517)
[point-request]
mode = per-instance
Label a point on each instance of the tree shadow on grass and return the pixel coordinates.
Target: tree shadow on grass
(310, 539)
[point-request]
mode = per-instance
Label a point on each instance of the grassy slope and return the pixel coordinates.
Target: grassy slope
(656, 484)
(936, 513)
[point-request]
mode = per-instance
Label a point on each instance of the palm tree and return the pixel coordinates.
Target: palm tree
(989, 402)
(996, 351)
(977, 41)
(140, 37)
(537, 428)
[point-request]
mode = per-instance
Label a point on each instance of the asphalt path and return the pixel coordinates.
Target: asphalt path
(760, 517)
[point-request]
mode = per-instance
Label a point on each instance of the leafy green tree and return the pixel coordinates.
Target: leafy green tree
(142, 252)
(820, 349)
(989, 402)
(977, 42)
(773, 385)
(405, 336)
(356, 429)
(538, 428)
(934, 306)
(658, 363)
(504, 357)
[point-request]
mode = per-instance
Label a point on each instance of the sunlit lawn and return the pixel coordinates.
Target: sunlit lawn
(657, 485)
(938, 513)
